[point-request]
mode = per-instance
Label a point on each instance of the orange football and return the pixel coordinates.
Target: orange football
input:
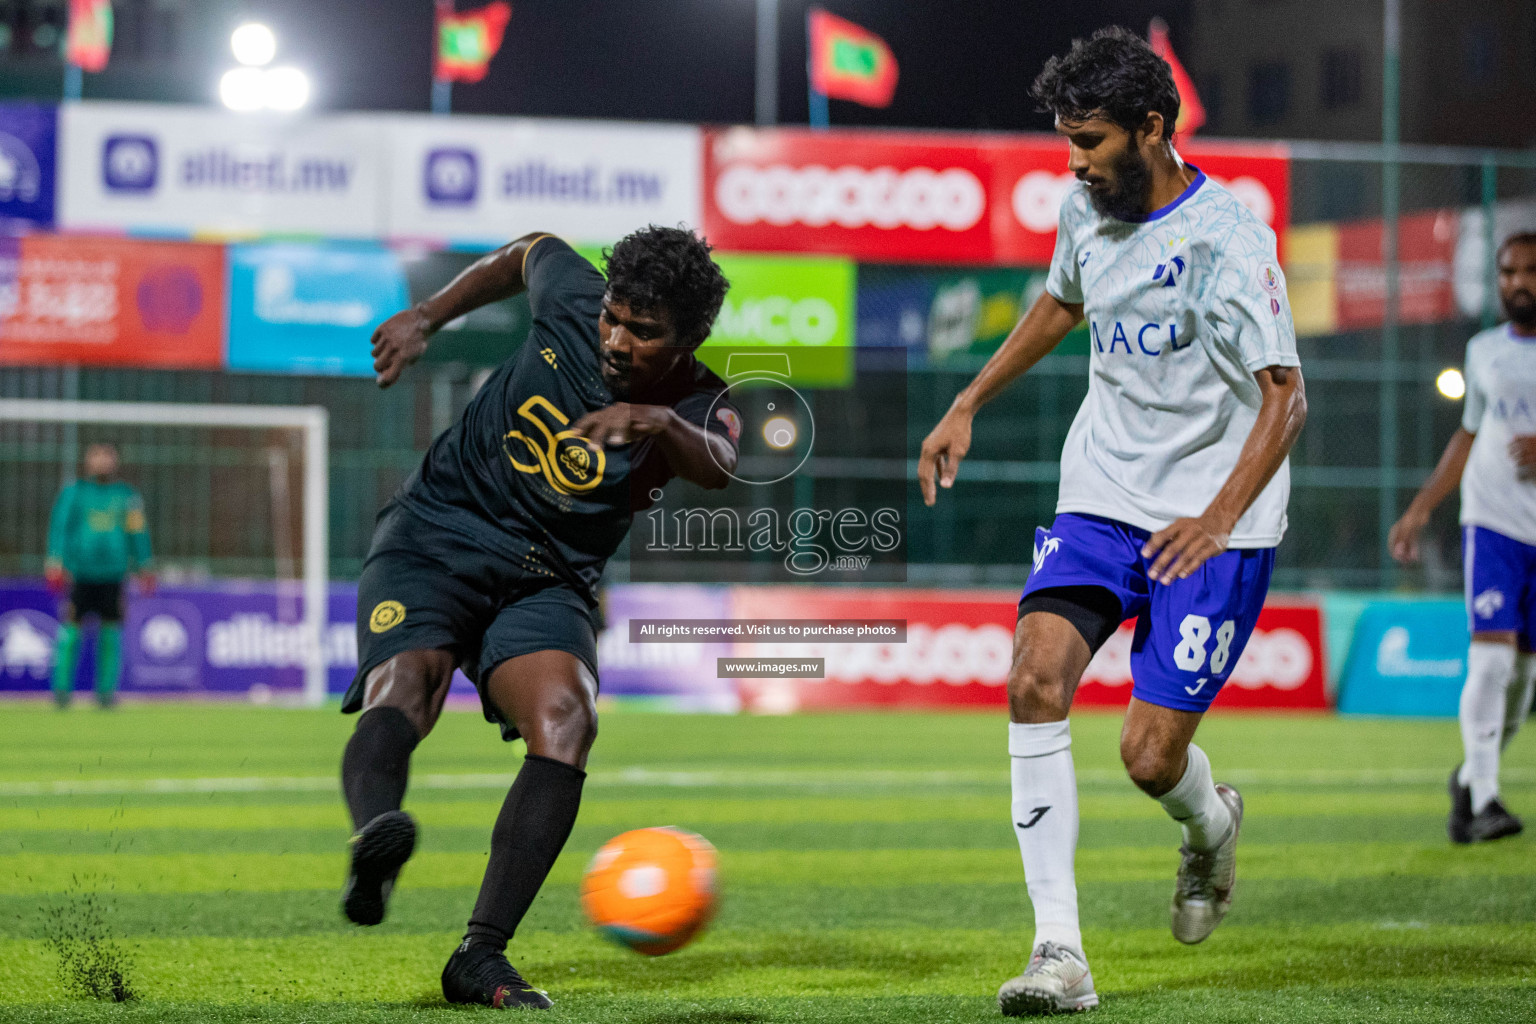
(652, 889)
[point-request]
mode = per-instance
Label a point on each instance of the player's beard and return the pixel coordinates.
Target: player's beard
(1521, 307)
(618, 376)
(1127, 200)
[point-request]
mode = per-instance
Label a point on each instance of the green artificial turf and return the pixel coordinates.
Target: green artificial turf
(868, 872)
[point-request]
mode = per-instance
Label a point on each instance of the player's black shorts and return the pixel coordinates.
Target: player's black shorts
(101, 599)
(425, 588)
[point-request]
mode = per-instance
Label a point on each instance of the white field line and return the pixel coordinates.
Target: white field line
(818, 779)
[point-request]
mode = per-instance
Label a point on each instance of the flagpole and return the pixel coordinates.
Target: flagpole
(442, 88)
(767, 98)
(820, 116)
(74, 82)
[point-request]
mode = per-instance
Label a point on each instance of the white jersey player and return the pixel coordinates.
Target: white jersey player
(1173, 486)
(1493, 456)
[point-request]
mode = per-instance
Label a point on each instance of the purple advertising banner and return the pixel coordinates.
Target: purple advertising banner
(28, 142)
(246, 639)
(680, 675)
(224, 638)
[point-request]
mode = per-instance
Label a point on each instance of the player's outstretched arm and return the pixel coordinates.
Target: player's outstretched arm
(1403, 540)
(1185, 544)
(1041, 330)
(400, 341)
(694, 453)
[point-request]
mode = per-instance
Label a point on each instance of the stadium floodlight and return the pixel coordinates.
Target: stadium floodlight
(1451, 383)
(286, 89)
(247, 89)
(253, 44)
(243, 89)
(312, 421)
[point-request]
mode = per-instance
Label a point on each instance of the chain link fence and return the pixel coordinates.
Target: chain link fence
(1376, 423)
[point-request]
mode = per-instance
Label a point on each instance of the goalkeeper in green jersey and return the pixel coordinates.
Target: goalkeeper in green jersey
(96, 537)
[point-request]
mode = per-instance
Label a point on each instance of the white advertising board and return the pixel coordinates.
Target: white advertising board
(206, 171)
(484, 180)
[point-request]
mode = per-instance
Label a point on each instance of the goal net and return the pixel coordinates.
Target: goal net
(236, 503)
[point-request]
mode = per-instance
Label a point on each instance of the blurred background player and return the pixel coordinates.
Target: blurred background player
(1174, 484)
(96, 537)
(488, 557)
(1493, 457)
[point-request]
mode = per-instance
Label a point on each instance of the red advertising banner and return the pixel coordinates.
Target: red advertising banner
(898, 197)
(1426, 251)
(1031, 178)
(872, 196)
(958, 648)
(111, 302)
(1282, 666)
(960, 644)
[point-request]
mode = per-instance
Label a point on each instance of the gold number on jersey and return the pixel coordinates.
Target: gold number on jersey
(564, 459)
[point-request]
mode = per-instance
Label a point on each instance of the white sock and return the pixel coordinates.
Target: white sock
(1490, 671)
(1195, 804)
(1045, 822)
(1517, 702)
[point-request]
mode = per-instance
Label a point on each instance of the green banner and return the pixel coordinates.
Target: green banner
(786, 303)
(801, 305)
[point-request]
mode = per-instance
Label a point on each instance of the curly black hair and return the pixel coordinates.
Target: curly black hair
(1113, 74)
(659, 268)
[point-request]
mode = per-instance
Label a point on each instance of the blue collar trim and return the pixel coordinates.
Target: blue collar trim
(1159, 214)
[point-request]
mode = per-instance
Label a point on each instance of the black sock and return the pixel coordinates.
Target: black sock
(534, 823)
(377, 763)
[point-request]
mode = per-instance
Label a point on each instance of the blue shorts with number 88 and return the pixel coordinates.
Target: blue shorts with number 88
(1189, 633)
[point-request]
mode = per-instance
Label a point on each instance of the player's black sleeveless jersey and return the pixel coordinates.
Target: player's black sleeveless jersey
(512, 477)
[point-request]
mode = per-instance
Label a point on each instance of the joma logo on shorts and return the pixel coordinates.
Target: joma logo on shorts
(1043, 550)
(1488, 602)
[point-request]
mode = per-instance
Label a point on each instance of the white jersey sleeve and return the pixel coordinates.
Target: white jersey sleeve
(1065, 280)
(1475, 402)
(1249, 310)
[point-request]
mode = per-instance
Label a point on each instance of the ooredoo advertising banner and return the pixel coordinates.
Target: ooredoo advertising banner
(959, 647)
(1031, 178)
(900, 197)
(1282, 666)
(111, 302)
(28, 139)
(484, 180)
(957, 650)
(198, 170)
(871, 196)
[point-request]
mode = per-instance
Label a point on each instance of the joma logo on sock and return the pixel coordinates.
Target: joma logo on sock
(1034, 817)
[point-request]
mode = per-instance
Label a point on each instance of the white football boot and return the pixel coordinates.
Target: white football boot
(1203, 893)
(1057, 980)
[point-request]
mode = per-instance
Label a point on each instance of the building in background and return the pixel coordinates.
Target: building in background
(1462, 64)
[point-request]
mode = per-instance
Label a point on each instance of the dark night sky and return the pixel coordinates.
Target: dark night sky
(963, 65)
